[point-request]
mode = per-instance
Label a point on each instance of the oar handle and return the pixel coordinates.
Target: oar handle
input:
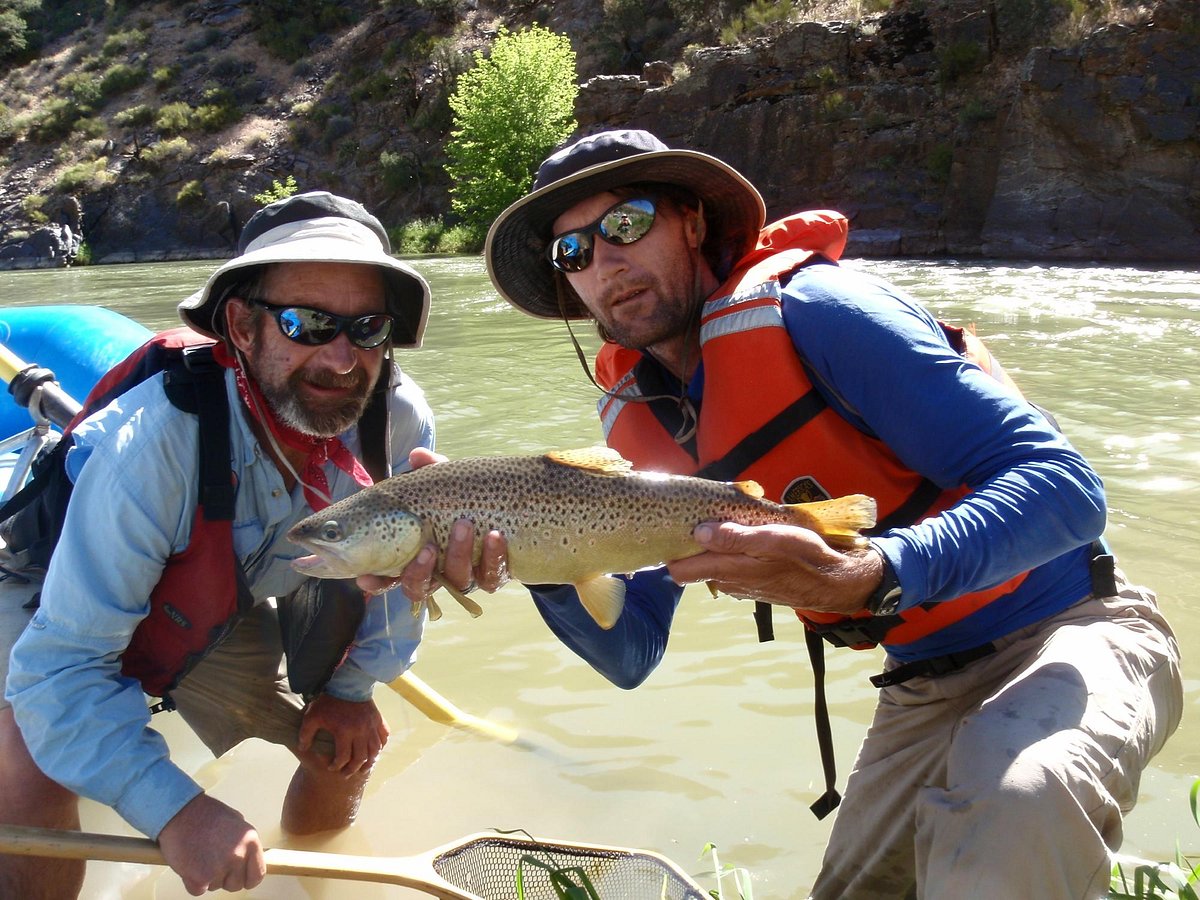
(25, 840)
(55, 403)
(11, 365)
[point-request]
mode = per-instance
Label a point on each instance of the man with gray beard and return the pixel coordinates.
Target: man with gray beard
(146, 594)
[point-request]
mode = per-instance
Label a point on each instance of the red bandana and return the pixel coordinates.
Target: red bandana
(317, 450)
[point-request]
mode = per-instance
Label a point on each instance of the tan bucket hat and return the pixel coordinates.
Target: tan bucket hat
(317, 227)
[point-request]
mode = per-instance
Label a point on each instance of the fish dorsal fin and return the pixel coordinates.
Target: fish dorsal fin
(750, 489)
(598, 460)
(603, 597)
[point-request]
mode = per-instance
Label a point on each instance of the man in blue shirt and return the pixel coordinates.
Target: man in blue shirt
(1026, 685)
(306, 318)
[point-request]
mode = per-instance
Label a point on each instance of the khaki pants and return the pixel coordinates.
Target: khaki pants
(1009, 778)
(238, 691)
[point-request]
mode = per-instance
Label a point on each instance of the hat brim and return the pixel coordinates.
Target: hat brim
(408, 293)
(515, 251)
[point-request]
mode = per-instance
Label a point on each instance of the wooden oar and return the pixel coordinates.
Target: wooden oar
(490, 864)
(438, 708)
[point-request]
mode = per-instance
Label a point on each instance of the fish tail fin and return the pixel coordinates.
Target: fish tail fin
(840, 520)
(603, 597)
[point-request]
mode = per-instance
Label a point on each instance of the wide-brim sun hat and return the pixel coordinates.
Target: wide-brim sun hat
(515, 251)
(316, 227)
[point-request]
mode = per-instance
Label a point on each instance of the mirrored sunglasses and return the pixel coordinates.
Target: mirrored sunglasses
(625, 223)
(313, 327)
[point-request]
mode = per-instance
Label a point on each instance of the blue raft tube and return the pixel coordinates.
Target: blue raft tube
(50, 358)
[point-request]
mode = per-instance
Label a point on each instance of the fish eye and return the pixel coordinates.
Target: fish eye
(331, 531)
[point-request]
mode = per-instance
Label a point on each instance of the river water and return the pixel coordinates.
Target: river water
(717, 746)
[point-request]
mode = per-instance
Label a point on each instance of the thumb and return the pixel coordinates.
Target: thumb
(719, 537)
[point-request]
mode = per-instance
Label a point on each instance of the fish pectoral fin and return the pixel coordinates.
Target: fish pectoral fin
(463, 600)
(598, 460)
(839, 520)
(712, 589)
(603, 596)
(435, 611)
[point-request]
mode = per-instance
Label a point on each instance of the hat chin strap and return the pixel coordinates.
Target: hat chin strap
(264, 418)
(691, 420)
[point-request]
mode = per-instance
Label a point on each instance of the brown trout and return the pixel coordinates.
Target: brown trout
(569, 517)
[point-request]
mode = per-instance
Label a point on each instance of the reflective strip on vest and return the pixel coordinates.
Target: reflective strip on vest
(609, 407)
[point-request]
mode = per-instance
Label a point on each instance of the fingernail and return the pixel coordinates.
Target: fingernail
(703, 533)
(425, 557)
(461, 530)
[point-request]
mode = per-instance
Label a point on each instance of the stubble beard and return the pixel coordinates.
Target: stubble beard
(671, 318)
(325, 420)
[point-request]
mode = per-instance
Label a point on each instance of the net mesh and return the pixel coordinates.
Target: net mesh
(489, 867)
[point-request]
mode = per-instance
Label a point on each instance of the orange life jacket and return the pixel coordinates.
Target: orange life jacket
(761, 418)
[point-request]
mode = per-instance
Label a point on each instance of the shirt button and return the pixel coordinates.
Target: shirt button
(277, 492)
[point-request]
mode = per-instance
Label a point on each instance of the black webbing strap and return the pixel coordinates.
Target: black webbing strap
(933, 667)
(828, 801)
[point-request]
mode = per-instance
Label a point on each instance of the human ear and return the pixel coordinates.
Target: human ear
(696, 227)
(239, 323)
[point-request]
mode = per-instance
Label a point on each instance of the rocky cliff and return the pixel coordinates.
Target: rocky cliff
(940, 127)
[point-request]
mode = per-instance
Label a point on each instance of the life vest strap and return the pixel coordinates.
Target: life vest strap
(934, 667)
(829, 800)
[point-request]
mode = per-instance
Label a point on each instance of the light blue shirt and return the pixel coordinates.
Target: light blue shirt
(86, 724)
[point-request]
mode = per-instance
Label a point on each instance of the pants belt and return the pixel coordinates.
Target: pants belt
(932, 667)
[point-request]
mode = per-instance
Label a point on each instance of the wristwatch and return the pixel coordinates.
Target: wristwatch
(885, 600)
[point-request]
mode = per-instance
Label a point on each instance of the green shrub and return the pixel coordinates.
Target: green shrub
(287, 28)
(191, 194)
(159, 154)
(121, 77)
(173, 118)
(32, 207)
(277, 191)
(83, 88)
(396, 170)
(510, 110)
(759, 18)
(164, 76)
(84, 177)
(958, 59)
(122, 42)
(939, 162)
(55, 120)
(214, 116)
(89, 127)
(976, 111)
(141, 114)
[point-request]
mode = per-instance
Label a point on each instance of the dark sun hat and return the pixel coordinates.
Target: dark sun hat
(515, 251)
(316, 227)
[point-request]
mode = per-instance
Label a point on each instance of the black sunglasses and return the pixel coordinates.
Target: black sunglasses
(624, 223)
(313, 327)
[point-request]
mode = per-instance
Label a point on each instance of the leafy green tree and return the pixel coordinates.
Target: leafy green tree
(510, 110)
(14, 27)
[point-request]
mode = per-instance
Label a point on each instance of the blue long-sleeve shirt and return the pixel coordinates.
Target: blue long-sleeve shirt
(134, 465)
(882, 361)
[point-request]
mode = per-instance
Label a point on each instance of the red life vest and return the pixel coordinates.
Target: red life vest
(762, 419)
(202, 589)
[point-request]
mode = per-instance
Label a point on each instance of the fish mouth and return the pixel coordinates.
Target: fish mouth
(320, 565)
